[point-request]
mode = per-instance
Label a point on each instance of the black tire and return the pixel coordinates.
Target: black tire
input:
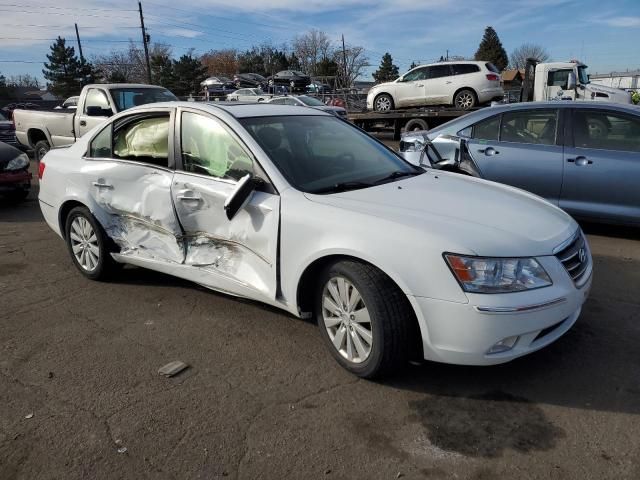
(416, 124)
(106, 265)
(383, 99)
(41, 148)
(390, 313)
(465, 99)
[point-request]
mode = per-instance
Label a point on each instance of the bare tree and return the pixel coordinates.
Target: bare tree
(310, 49)
(518, 58)
(356, 61)
(128, 65)
(25, 80)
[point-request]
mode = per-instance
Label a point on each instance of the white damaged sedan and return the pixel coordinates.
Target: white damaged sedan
(299, 209)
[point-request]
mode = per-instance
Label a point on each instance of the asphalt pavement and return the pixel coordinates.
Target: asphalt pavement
(81, 398)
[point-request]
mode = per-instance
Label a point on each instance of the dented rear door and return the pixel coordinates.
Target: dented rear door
(238, 254)
(130, 171)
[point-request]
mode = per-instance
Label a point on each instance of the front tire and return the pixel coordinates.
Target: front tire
(465, 99)
(88, 245)
(364, 318)
(383, 103)
(41, 148)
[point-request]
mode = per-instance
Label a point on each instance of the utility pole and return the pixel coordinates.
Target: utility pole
(447, 55)
(346, 80)
(145, 41)
(79, 44)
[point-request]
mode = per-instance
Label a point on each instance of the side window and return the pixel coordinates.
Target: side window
(558, 78)
(143, 140)
(290, 101)
(208, 148)
(606, 131)
(487, 129)
(531, 126)
(418, 74)
(439, 71)
(101, 144)
(464, 68)
(96, 98)
(277, 101)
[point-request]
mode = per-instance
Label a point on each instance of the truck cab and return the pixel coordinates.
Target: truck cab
(566, 81)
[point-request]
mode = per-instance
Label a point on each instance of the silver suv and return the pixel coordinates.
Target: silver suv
(463, 84)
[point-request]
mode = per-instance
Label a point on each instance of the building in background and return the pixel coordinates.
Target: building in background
(624, 80)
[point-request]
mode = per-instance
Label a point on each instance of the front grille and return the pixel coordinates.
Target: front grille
(7, 136)
(575, 258)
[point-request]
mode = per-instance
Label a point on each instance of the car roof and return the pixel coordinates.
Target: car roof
(239, 109)
(563, 104)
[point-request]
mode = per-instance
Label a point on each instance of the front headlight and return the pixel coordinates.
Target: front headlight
(497, 275)
(18, 163)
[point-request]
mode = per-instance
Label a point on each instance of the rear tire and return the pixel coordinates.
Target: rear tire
(364, 318)
(88, 245)
(416, 124)
(41, 148)
(465, 99)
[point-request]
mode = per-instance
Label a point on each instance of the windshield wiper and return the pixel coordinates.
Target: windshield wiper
(397, 174)
(342, 187)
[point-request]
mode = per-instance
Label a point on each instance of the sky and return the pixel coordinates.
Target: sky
(605, 35)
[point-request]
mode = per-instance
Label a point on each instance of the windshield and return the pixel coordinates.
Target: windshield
(125, 98)
(583, 76)
(319, 154)
(312, 102)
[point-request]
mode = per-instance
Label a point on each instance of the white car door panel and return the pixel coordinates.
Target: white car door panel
(239, 253)
(242, 249)
(132, 196)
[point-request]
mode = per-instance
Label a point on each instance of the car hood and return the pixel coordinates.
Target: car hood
(484, 218)
(382, 85)
(614, 95)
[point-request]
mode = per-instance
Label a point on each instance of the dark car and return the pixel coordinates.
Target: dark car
(294, 79)
(15, 179)
(249, 80)
(217, 87)
(318, 87)
(7, 131)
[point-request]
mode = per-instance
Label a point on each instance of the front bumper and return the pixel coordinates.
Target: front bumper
(11, 181)
(465, 333)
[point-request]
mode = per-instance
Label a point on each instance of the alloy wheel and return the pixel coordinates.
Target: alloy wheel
(464, 100)
(347, 320)
(84, 243)
(383, 104)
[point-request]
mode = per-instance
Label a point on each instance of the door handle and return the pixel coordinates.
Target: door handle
(193, 197)
(419, 85)
(580, 161)
(447, 82)
(102, 185)
(489, 151)
(83, 123)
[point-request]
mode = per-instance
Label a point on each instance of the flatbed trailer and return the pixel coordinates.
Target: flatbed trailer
(406, 120)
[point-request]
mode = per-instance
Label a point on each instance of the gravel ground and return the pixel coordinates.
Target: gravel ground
(80, 396)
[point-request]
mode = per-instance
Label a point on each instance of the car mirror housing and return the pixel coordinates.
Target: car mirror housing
(571, 81)
(239, 196)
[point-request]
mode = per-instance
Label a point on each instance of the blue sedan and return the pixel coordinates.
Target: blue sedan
(582, 157)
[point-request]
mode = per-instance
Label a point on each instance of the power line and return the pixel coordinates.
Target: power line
(66, 14)
(85, 40)
(68, 8)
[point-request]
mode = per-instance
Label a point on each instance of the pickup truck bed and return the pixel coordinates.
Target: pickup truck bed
(53, 126)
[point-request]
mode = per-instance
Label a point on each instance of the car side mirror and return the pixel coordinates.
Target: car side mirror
(94, 111)
(239, 196)
(571, 81)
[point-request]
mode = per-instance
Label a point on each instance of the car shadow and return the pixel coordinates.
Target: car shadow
(607, 230)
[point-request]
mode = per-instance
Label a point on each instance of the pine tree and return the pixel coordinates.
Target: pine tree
(413, 65)
(162, 72)
(188, 73)
(64, 71)
(491, 49)
(387, 70)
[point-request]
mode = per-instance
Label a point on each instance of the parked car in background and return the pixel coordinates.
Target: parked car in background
(318, 87)
(294, 79)
(463, 84)
(298, 209)
(217, 87)
(307, 101)
(7, 131)
(581, 156)
(15, 178)
(250, 80)
(248, 95)
(41, 130)
(69, 103)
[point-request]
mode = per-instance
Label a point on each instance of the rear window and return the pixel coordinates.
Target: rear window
(491, 67)
(464, 68)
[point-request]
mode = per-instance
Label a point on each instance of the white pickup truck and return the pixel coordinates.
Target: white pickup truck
(41, 130)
